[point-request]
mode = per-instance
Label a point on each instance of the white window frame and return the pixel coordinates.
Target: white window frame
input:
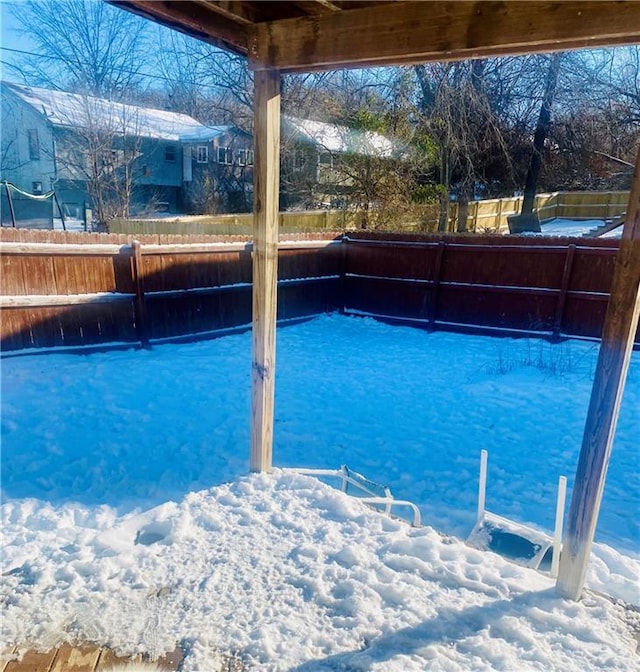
(227, 156)
(299, 160)
(244, 157)
(202, 154)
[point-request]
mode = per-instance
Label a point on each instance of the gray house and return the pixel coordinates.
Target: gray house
(116, 159)
(321, 162)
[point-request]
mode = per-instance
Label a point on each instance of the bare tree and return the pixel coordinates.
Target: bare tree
(526, 221)
(83, 45)
(97, 150)
(457, 109)
(9, 154)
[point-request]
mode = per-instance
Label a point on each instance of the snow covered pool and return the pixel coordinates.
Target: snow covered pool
(91, 443)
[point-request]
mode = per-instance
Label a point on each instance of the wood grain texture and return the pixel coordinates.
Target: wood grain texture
(109, 659)
(265, 265)
(621, 322)
(76, 659)
(6, 655)
(32, 661)
(564, 287)
(411, 32)
(193, 18)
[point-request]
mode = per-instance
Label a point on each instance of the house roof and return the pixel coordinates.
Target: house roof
(71, 110)
(341, 139)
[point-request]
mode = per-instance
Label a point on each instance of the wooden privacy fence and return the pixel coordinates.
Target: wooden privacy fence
(242, 224)
(488, 215)
(56, 294)
(86, 294)
(491, 215)
(552, 287)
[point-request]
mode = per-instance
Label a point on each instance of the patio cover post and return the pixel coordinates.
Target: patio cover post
(618, 335)
(266, 180)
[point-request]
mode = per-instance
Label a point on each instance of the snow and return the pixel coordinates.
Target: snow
(334, 138)
(73, 110)
(575, 227)
(129, 520)
(569, 227)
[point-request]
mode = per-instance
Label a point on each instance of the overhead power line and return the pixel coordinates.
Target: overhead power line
(163, 78)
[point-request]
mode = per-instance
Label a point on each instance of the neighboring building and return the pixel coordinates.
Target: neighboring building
(116, 159)
(319, 166)
(96, 153)
(218, 175)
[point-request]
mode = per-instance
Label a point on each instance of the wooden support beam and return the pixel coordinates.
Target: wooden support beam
(193, 19)
(621, 322)
(266, 176)
(231, 9)
(412, 32)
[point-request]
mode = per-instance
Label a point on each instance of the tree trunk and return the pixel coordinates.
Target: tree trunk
(443, 221)
(542, 130)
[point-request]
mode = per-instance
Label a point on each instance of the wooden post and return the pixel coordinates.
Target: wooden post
(139, 305)
(499, 222)
(266, 175)
(564, 287)
(55, 198)
(11, 210)
(435, 287)
(618, 334)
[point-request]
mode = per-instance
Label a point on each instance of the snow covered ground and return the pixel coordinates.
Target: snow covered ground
(575, 227)
(569, 227)
(129, 520)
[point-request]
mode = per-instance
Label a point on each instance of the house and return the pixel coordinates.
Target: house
(320, 161)
(117, 159)
(218, 174)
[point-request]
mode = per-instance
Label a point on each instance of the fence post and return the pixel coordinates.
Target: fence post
(564, 287)
(139, 302)
(435, 288)
(55, 198)
(499, 220)
(11, 210)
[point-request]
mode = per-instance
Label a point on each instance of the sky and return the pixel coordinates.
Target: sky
(10, 38)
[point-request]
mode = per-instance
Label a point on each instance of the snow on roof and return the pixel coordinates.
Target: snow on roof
(78, 111)
(342, 139)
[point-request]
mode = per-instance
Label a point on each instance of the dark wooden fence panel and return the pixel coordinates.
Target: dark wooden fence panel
(592, 270)
(62, 296)
(417, 262)
(548, 285)
(65, 297)
(520, 266)
(584, 315)
(490, 307)
(67, 326)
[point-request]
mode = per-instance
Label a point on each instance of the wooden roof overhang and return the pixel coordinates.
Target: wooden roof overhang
(307, 35)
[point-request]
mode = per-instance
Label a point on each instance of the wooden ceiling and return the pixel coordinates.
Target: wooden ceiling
(305, 35)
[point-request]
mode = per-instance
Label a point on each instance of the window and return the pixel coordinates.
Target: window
(170, 154)
(34, 145)
(245, 157)
(225, 155)
(203, 154)
(299, 160)
(36, 187)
